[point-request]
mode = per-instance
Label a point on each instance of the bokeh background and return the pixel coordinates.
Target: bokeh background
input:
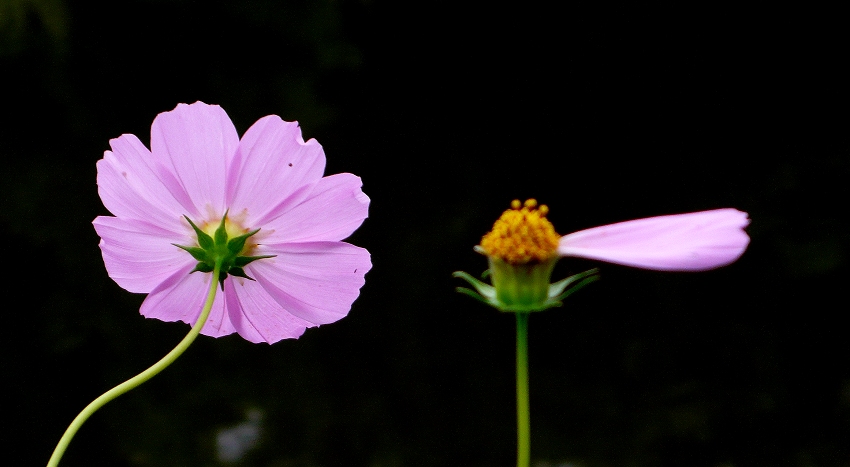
(448, 111)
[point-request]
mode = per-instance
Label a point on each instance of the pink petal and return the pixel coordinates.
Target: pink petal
(181, 297)
(130, 187)
(139, 256)
(256, 316)
(272, 163)
(315, 281)
(197, 143)
(334, 209)
(684, 242)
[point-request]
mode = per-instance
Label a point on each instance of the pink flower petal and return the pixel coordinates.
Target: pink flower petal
(139, 256)
(272, 163)
(684, 242)
(197, 142)
(256, 316)
(315, 281)
(181, 297)
(334, 209)
(130, 188)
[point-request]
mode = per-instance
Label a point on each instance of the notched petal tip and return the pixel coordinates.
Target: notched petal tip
(362, 198)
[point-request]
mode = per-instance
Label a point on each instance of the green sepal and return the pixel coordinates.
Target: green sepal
(561, 289)
(202, 267)
(487, 291)
(242, 261)
(221, 232)
(198, 253)
(204, 240)
(236, 244)
(473, 294)
(239, 272)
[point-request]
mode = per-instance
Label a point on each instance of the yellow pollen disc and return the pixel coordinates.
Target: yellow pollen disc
(522, 234)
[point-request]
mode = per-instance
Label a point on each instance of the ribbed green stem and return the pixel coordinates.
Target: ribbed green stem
(141, 377)
(523, 455)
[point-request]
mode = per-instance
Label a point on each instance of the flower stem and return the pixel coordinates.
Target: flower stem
(141, 377)
(523, 456)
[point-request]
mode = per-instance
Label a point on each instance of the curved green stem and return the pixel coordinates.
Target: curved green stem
(523, 453)
(141, 377)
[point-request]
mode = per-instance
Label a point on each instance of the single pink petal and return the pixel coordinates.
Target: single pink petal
(139, 256)
(271, 164)
(683, 242)
(256, 316)
(316, 281)
(154, 181)
(130, 188)
(334, 209)
(181, 297)
(197, 143)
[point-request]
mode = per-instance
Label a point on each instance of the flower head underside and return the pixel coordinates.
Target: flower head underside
(259, 204)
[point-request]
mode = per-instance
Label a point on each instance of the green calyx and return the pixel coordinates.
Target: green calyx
(521, 288)
(222, 249)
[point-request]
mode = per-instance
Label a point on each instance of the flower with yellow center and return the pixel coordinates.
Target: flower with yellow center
(522, 250)
(523, 247)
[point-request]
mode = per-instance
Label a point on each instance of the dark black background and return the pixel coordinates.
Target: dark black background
(448, 111)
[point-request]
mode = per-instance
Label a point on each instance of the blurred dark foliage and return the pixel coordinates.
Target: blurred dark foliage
(447, 111)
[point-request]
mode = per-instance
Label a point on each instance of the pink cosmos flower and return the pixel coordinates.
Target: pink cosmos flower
(199, 170)
(695, 241)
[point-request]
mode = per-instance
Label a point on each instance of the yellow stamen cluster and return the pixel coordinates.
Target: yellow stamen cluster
(522, 235)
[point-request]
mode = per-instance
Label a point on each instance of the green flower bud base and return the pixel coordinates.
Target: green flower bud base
(524, 287)
(217, 247)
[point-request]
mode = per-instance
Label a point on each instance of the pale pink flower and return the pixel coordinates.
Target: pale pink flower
(695, 241)
(270, 180)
